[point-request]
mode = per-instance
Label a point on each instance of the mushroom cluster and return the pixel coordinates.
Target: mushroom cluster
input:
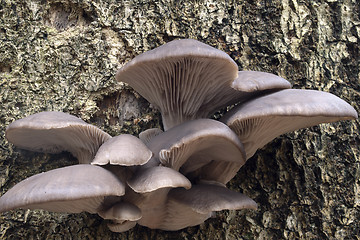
(174, 178)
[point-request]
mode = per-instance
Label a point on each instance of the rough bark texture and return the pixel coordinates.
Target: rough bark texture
(63, 54)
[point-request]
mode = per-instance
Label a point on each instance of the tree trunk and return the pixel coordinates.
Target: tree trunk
(62, 55)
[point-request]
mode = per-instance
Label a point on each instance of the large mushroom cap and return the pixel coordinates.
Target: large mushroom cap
(54, 132)
(205, 198)
(124, 150)
(187, 79)
(70, 189)
(260, 120)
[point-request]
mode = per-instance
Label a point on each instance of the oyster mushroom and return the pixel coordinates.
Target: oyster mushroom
(187, 79)
(192, 207)
(123, 215)
(71, 189)
(123, 150)
(152, 186)
(197, 145)
(260, 120)
(54, 132)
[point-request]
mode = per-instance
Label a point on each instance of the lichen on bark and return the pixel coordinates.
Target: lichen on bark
(63, 55)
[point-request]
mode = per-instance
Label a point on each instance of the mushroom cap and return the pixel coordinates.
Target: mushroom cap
(187, 79)
(206, 198)
(54, 132)
(122, 211)
(192, 207)
(124, 150)
(71, 189)
(154, 178)
(198, 143)
(260, 120)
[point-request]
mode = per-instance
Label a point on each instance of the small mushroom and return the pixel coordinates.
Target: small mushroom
(123, 215)
(152, 185)
(187, 79)
(260, 120)
(154, 178)
(70, 189)
(192, 207)
(54, 132)
(123, 150)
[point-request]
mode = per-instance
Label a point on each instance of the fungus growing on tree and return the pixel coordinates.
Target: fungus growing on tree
(177, 178)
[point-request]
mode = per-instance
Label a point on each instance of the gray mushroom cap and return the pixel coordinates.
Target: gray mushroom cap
(154, 178)
(198, 143)
(124, 150)
(192, 207)
(54, 132)
(183, 78)
(187, 79)
(70, 189)
(260, 120)
(206, 198)
(122, 211)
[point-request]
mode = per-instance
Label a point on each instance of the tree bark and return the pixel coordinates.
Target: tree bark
(62, 55)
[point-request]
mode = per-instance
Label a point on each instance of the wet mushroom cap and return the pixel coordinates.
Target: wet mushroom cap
(70, 189)
(54, 132)
(260, 120)
(124, 150)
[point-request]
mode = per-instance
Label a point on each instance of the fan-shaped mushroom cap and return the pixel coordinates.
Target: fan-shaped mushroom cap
(124, 150)
(187, 79)
(123, 215)
(192, 207)
(54, 132)
(194, 144)
(259, 121)
(150, 179)
(71, 189)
